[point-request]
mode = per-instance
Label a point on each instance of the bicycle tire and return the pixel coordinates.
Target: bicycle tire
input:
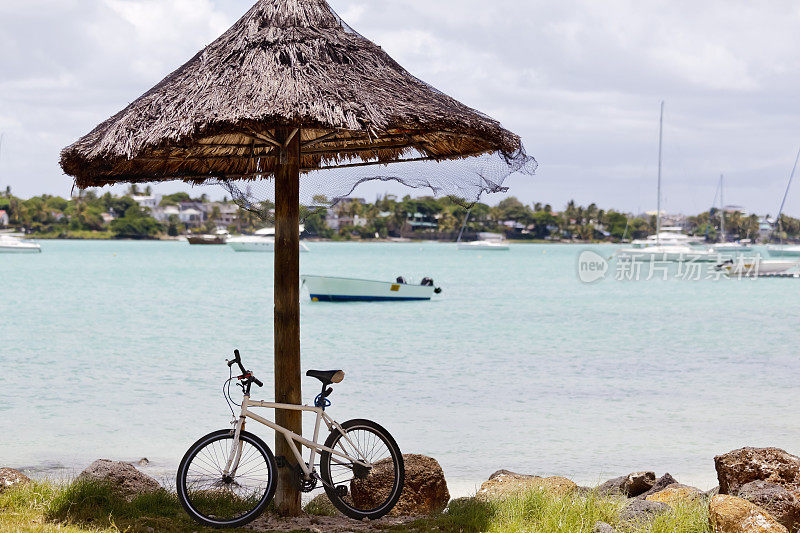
(221, 488)
(359, 501)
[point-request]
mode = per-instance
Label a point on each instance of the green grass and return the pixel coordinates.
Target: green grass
(541, 512)
(83, 506)
(87, 506)
(74, 234)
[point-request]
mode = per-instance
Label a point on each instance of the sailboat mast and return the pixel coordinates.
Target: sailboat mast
(710, 211)
(721, 208)
(660, 144)
(1, 143)
(464, 225)
(788, 185)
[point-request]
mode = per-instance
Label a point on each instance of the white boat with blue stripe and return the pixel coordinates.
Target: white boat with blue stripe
(333, 289)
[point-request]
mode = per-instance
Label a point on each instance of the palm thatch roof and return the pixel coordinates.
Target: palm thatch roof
(286, 63)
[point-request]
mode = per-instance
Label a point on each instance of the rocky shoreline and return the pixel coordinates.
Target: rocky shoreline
(759, 491)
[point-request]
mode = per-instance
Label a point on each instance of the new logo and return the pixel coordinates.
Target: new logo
(591, 266)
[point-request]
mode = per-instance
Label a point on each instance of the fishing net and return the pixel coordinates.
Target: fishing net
(464, 181)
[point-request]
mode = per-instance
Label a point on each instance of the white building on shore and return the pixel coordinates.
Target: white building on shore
(148, 202)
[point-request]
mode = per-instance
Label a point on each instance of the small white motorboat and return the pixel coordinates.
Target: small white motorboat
(781, 250)
(668, 253)
(754, 267)
(494, 245)
(11, 243)
(262, 241)
(486, 241)
(333, 289)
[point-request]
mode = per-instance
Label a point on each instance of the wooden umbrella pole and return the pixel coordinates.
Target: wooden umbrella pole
(287, 311)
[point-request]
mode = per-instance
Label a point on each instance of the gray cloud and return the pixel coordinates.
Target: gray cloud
(580, 81)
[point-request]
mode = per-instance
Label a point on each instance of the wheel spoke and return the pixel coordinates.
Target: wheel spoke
(369, 492)
(220, 500)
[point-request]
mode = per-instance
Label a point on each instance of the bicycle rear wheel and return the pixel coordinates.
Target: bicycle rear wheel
(357, 491)
(220, 501)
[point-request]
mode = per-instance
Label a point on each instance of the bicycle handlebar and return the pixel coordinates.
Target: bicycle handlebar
(238, 360)
(246, 374)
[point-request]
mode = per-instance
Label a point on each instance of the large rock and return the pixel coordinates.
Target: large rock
(780, 502)
(10, 477)
(425, 489)
(631, 485)
(675, 494)
(661, 483)
(742, 466)
(122, 477)
(729, 514)
(642, 510)
(504, 483)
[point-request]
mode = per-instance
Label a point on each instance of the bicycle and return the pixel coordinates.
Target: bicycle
(228, 477)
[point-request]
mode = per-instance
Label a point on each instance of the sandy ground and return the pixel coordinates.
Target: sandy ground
(325, 524)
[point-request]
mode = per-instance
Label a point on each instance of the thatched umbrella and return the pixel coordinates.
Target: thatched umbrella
(287, 90)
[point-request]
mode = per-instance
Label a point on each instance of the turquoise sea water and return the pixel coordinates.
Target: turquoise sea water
(117, 349)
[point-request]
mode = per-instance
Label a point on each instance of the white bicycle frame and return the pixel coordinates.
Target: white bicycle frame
(292, 437)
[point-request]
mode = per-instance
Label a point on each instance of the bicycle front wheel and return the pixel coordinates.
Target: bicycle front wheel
(218, 500)
(357, 491)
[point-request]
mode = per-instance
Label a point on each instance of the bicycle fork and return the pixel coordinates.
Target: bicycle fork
(235, 454)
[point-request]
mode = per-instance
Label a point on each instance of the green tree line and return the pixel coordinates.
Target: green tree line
(90, 214)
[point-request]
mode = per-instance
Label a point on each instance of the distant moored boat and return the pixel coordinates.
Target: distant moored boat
(219, 237)
(262, 241)
(15, 244)
(493, 245)
(486, 241)
(758, 267)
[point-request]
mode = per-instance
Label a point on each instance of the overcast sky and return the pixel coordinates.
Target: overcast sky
(579, 80)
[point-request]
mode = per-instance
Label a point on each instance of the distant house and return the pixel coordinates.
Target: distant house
(336, 221)
(4, 220)
(419, 221)
(107, 217)
(228, 213)
(148, 202)
(515, 228)
(765, 227)
(162, 214)
(191, 216)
